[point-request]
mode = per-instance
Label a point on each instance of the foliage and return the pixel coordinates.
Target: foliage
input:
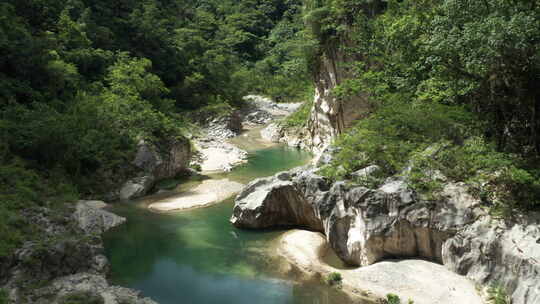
(465, 66)
(3, 296)
(392, 299)
(334, 278)
(497, 295)
(82, 82)
(394, 132)
(300, 117)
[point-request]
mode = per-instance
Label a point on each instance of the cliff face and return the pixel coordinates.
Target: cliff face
(330, 116)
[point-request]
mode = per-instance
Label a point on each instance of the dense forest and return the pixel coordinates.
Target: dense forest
(454, 90)
(81, 82)
(453, 84)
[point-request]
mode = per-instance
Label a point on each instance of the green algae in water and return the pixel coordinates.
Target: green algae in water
(198, 257)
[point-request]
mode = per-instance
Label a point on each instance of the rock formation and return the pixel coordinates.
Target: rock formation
(68, 261)
(305, 253)
(154, 165)
(364, 226)
(331, 115)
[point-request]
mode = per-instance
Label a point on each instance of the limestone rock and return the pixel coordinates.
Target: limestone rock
(365, 226)
(272, 202)
(166, 165)
(136, 187)
(492, 252)
(92, 219)
(362, 225)
(223, 127)
(91, 285)
(421, 281)
(271, 133)
(366, 172)
(330, 115)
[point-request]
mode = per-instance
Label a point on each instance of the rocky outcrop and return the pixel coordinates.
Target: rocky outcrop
(494, 252)
(330, 115)
(89, 286)
(223, 127)
(92, 219)
(154, 165)
(273, 202)
(292, 137)
(67, 261)
(364, 226)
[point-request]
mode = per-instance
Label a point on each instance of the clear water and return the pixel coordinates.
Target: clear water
(199, 257)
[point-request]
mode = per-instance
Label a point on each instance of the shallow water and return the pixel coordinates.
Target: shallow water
(199, 257)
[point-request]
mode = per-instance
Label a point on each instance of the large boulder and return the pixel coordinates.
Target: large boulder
(92, 219)
(362, 225)
(163, 164)
(136, 187)
(273, 202)
(153, 165)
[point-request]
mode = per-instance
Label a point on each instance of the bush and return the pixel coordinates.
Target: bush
(334, 278)
(392, 299)
(394, 132)
(497, 295)
(434, 142)
(300, 117)
(3, 296)
(21, 188)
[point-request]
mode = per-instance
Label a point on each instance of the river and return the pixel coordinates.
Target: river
(198, 257)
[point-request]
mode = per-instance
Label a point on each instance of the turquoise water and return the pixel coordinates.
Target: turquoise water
(199, 257)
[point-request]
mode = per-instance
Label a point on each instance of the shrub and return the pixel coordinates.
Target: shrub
(300, 117)
(497, 294)
(434, 142)
(396, 130)
(3, 296)
(392, 299)
(334, 278)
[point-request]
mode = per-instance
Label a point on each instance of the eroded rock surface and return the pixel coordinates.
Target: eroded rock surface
(493, 252)
(67, 261)
(421, 281)
(331, 115)
(154, 165)
(92, 219)
(365, 226)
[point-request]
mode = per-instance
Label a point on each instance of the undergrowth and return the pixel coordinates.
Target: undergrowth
(432, 143)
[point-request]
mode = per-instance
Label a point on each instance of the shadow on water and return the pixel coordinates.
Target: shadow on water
(198, 257)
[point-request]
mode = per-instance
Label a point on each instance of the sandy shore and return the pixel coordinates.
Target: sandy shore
(219, 156)
(421, 281)
(209, 192)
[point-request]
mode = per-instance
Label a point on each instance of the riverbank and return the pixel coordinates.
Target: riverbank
(223, 146)
(307, 253)
(209, 192)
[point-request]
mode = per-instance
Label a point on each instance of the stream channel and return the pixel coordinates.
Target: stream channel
(198, 257)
